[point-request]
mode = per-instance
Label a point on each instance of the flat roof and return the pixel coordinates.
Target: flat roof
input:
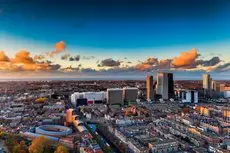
(114, 89)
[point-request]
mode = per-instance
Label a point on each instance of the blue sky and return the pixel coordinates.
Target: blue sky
(115, 29)
(118, 24)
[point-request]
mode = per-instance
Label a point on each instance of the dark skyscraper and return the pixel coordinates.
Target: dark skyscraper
(170, 85)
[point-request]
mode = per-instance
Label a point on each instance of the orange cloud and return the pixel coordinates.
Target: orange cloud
(7, 66)
(143, 67)
(59, 47)
(32, 67)
(154, 64)
(147, 65)
(23, 57)
(23, 62)
(185, 59)
(3, 57)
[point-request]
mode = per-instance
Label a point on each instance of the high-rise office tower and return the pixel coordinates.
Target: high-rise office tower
(207, 82)
(189, 96)
(210, 83)
(171, 85)
(149, 87)
(165, 85)
(207, 85)
(115, 96)
(130, 94)
(214, 85)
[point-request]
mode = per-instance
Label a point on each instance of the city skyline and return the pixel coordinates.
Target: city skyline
(88, 39)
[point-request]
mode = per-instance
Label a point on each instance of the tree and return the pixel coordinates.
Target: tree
(10, 142)
(61, 149)
(20, 148)
(40, 145)
(2, 135)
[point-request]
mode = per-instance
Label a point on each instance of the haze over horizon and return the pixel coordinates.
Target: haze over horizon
(67, 39)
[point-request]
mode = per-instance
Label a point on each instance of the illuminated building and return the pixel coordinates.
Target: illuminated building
(226, 113)
(204, 111)
(149, 87)
(69, 115)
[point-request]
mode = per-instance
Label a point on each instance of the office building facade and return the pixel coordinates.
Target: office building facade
(115, 96)
(207, 82)
(130, 94)
(78, 98)
(214, 85)
(189, 96)
(170, 85)
(150, 88)
(165, 85)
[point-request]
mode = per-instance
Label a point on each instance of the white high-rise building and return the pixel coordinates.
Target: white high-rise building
(115, 96)
(89, 96)
(165, 85)
(189, 96)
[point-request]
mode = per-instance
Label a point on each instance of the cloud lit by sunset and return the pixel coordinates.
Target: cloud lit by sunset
(161, 37)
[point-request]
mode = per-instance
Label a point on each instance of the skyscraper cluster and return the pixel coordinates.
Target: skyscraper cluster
(210, 86)
(164, 86)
